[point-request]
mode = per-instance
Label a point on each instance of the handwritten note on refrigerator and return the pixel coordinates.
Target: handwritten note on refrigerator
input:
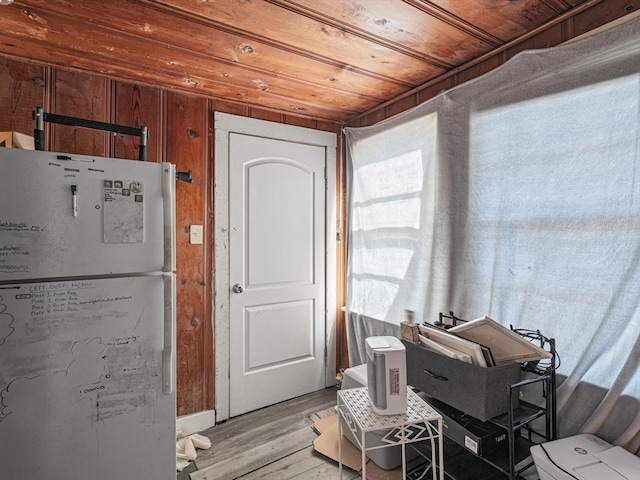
(123, 211)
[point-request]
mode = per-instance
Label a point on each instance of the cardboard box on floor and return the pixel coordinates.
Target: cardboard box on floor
(327, 445)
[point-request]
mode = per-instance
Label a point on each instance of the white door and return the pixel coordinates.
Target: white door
(278, 212)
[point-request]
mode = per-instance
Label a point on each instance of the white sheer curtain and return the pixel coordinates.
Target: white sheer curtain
(516, 196)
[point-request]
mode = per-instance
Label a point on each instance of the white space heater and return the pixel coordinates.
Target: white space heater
(386, 375)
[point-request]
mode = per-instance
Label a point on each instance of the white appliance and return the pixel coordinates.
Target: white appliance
(87, 315)
(386, 375)
(584, 457)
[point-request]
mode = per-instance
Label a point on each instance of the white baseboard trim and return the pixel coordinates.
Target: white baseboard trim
(196, 422)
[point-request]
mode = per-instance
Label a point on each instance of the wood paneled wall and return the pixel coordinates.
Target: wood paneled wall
(180, 132)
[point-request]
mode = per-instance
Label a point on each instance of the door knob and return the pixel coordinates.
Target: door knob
(237, 288)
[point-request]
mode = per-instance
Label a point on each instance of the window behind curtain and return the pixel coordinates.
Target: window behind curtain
(517, 196)
(391, 206)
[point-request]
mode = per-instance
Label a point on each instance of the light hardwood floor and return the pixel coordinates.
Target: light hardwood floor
(274, 443)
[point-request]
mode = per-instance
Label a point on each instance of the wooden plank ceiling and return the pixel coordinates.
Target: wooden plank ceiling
(326, 59)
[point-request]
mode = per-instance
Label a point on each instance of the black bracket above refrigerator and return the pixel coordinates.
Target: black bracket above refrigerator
(40, 116)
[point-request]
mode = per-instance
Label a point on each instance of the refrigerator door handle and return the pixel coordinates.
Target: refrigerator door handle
(168, 348)
(169, 196)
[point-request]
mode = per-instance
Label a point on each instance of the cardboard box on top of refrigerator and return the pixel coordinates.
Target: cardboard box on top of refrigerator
(16, 140)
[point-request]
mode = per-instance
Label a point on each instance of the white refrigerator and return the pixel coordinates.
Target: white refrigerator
(87, 315)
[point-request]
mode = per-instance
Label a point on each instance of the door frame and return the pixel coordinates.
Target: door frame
(224, 125)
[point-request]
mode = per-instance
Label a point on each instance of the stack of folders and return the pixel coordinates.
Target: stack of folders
(482, 342)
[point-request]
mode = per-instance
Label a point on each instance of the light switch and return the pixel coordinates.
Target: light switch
(195, 234)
